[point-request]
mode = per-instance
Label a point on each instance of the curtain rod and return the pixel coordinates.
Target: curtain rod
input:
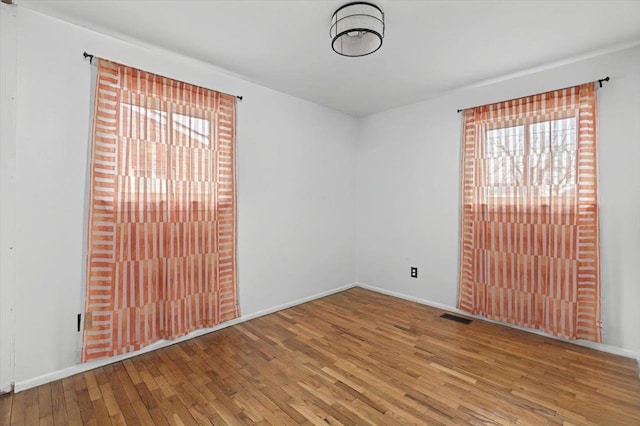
(600, 81)
(90, 56)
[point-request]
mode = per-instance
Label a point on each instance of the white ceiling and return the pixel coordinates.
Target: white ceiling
(429, 46)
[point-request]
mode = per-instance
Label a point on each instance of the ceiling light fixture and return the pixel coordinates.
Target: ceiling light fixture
(357, 29)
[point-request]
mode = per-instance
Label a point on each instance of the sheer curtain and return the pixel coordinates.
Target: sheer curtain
(530, 235)
(162, 211)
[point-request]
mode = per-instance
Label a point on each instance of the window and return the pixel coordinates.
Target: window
(190, 131)
(541, 154)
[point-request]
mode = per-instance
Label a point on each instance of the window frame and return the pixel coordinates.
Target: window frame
(527, 123)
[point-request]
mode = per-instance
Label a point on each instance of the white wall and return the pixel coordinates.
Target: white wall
(296, 186)
(408, 186)
(7, 190)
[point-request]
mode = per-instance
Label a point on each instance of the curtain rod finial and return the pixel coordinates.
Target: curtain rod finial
(88, 55)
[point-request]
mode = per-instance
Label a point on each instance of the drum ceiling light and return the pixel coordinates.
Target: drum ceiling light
(357, 29)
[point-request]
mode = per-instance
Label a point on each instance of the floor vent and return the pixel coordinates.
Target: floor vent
(455, 318)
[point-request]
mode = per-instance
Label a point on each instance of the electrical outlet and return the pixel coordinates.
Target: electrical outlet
(414, 272)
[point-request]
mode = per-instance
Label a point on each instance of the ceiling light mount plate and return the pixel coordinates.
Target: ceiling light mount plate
(357, 29)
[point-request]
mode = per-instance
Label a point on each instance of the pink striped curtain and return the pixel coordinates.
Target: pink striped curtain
(530, 235)
(162, 211)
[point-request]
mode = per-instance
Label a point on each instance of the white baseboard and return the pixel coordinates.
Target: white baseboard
(597, 346)
(80, 368)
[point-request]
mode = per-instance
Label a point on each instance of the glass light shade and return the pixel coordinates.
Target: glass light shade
(357, 29)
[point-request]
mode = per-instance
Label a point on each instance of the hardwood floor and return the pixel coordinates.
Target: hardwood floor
(355, 357)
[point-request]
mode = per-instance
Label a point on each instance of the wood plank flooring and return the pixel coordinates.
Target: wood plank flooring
(356, 357)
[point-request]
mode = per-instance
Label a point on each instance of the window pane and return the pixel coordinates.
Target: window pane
(144, 150)
(504, 141)
(504, 153)
(140, 122)
(563, 134)
(539, 135)
(552, 153)
(191, 131)
(564, 153)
